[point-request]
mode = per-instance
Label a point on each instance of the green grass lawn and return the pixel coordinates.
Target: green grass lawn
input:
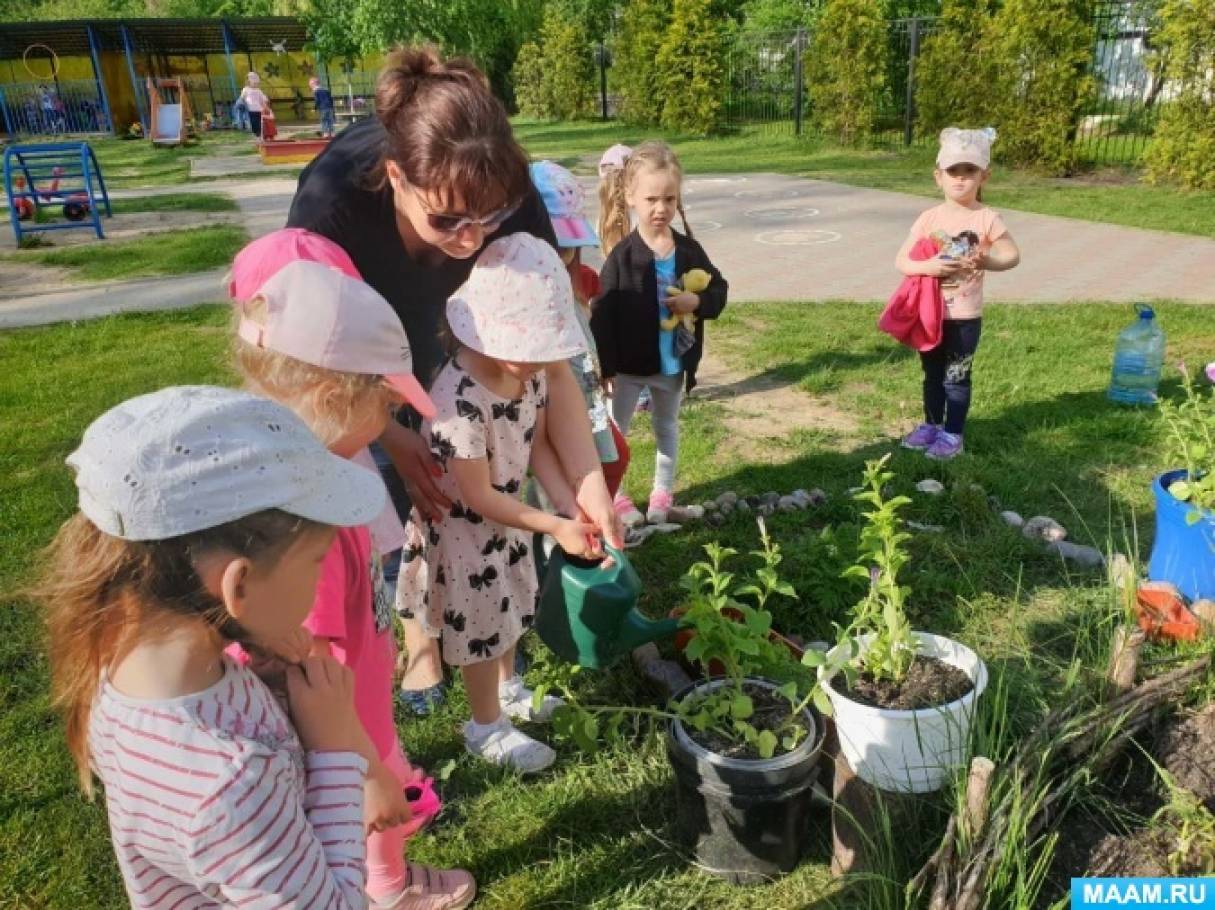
(596, 832)
(1112, 195)
(137, 162)
(168, 253)
(178, 202)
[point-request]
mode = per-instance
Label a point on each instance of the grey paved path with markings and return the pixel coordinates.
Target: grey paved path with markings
(774, 237)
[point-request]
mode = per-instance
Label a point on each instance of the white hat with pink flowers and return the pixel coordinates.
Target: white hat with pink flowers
(517, 304)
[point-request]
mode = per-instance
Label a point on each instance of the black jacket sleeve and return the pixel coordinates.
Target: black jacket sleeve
(605, 311)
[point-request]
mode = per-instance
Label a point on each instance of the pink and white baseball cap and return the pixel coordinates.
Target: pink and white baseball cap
(965, 147)
(517, 304)
(320, 313)
(258, 261)
(614, 159)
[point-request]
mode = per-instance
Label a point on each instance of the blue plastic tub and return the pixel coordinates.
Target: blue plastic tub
(1183, 554)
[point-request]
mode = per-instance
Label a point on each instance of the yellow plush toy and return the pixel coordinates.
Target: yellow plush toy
(695, 281)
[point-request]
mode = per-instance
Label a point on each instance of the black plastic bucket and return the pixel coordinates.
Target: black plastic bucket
(748, 821)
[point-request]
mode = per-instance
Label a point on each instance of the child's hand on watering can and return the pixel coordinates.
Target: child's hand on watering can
(577, 538)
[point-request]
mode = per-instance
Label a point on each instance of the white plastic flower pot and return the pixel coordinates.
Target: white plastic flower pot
(910, 751)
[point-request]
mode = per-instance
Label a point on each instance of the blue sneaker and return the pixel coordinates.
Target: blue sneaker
(422, 702)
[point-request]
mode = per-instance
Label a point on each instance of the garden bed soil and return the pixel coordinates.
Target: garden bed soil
(1093, 844)
(930, 683)
(771, 712)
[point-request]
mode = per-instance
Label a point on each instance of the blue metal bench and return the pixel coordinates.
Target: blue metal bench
(55, 173)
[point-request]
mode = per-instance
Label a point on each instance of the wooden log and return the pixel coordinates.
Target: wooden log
(978, 783)
(860, 813)
(1124, 658)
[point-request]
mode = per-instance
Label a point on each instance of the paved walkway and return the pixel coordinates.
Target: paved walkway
(775, 238)
(263, 205)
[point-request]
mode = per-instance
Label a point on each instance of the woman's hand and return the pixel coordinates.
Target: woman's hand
(683, 302)
(411, 457)
(384, 802)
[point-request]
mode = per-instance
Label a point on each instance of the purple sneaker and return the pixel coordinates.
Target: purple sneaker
(947, 446)
(921, 437)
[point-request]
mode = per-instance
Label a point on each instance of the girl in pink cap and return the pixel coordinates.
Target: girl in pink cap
(468, 576)
(313, 336)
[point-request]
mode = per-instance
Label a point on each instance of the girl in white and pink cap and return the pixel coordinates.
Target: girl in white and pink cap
(972, 239)
(313, 336)
(469, 576)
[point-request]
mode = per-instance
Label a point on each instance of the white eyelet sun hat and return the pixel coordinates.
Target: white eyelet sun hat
(517, 304)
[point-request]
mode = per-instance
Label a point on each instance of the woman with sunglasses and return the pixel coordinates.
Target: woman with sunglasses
(413, 195)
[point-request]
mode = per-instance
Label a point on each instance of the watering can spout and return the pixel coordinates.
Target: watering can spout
(637, 630)
(588, 610)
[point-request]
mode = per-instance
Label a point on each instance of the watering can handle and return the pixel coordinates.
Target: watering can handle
(617, 555)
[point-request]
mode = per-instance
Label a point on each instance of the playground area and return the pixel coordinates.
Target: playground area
(104, 77)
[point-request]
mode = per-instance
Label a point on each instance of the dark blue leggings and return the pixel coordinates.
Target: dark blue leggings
(947, 374)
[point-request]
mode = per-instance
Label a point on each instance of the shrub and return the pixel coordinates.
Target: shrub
(955, 78)
(528, 79)
(569, 66)
(847, 68)
(691, 74)
(1043, 50)
(643, 23)
(1183, 149)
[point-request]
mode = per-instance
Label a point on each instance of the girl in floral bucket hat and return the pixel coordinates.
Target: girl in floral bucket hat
(468, 575)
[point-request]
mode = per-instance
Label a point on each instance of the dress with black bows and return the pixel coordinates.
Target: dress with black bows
(471, 581)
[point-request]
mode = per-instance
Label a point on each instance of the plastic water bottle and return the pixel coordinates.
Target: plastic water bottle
(1138, 359)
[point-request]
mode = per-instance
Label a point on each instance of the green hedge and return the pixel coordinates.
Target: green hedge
(1024, 69)
(555, 78)
(846, 69)
(690, 73)
(634, 73)
(1183, 148)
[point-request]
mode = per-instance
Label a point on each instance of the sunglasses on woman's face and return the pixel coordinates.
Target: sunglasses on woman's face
(454, 224)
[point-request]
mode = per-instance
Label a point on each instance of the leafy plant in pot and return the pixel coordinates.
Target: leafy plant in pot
(745, 745)
(904, 699)
(1184, 549)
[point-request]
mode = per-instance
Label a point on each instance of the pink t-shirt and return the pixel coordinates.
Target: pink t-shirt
(963, 294)
(352, 610)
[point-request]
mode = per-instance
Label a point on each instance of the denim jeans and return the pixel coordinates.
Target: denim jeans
(947, 370)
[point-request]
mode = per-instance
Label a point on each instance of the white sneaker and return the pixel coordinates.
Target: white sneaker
(516, 701)
(501, 744)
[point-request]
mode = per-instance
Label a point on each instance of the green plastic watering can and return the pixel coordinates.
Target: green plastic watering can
(588, 612)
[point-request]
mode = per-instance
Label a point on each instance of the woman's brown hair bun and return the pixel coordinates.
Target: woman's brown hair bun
(447, 132)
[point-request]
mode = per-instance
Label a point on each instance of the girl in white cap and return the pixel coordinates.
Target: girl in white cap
(469, 575)
(204, 515)
(972, 239)
(315, 337)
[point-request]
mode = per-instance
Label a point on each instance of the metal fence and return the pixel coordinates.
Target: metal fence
(52, 108)
(765, 87)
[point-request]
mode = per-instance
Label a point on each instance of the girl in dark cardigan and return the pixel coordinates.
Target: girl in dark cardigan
(641, 279)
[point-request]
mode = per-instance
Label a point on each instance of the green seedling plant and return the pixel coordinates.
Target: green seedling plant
(1190, 444)
(729, 617)
(1192, 826)
(881, 613)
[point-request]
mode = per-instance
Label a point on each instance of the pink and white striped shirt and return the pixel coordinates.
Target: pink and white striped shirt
(213, 802)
